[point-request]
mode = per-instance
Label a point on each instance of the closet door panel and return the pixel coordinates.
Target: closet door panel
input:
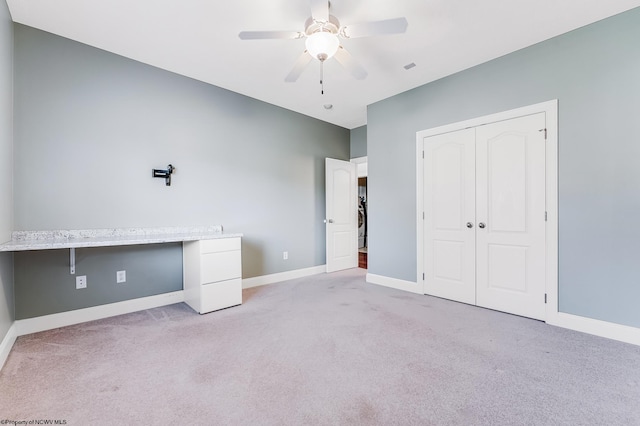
(510, 211)
(449, 197)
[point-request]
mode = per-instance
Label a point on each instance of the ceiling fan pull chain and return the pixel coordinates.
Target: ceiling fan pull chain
(322, 77)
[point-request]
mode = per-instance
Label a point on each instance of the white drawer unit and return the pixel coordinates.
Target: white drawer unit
(212, 274)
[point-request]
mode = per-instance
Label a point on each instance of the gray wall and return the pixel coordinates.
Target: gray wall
(359, 142)
(90, 126)
(6, 167)
(49, 288)
(594, 73)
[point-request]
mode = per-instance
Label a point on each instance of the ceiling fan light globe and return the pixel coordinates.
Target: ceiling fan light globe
(322, 45)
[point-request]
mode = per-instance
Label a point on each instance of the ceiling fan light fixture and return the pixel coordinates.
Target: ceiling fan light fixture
(322, 45)
(322, 30)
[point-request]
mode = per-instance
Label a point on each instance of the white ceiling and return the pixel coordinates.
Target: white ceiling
(199, 39)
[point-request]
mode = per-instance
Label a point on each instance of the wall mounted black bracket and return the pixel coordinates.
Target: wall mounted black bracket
(166, 174)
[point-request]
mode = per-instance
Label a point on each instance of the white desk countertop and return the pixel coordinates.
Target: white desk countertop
(64, 239)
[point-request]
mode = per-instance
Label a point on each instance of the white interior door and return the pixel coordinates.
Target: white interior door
(341, 214)
(449, 198)
(510, 211)
(484, 215)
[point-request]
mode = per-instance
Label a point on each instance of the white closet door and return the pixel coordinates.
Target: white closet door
(449, 201)
(510, 215)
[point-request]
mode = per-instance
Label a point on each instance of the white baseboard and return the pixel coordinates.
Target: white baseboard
(622, 333)
(609, 330)
(63, 319)
(600, 328)
(409, 286)
(283, 276)
(7, 344)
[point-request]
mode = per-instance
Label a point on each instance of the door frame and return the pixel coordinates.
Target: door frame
(362, 165)
(550, 108)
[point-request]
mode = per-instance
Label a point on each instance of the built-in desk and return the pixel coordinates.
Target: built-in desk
(211, 258)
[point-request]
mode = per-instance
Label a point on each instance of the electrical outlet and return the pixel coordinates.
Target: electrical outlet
(121, 277)
(285, 255)
(81, 282)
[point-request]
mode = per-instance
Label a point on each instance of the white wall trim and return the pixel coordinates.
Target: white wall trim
(420, 209)
(551, 236)
(283, 276)
(63, 319)
(7, 344)
(409, 286)
(361, 166)
(491, 118)
(622, 333)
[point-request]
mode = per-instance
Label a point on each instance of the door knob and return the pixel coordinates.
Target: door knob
(481, 225)
(469, 225)
(330, 220)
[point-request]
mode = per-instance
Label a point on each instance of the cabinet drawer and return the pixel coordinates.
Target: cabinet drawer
(221, 266)
(220, 295)
(219, 244)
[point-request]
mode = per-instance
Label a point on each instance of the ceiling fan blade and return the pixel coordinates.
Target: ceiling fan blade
(266, 35)
(320, 10)
(299, 66)
(388, 26)
(346, 60)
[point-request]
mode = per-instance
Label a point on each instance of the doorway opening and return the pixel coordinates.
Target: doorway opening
(363, 235)
(362, 222)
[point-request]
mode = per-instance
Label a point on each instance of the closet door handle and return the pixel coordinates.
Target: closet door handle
(469, 225)
(481, 225)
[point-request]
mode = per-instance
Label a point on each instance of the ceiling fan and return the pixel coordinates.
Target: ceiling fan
(322, 32)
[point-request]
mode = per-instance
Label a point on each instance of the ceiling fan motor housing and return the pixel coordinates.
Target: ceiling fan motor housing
(331, 26)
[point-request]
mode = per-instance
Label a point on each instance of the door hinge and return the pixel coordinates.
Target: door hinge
(545, 298)
(545, 133)
(422, 215)
(423, 276)
(422, 154)
(545, 216)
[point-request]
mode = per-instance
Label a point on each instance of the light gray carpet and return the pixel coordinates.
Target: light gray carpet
(326, 350)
